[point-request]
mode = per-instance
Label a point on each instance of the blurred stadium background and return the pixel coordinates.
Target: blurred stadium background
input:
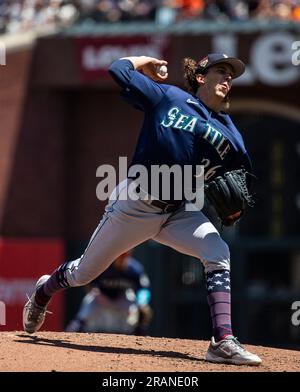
(61, 117)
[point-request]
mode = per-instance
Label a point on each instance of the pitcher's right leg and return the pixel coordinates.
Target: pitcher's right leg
(125, 224)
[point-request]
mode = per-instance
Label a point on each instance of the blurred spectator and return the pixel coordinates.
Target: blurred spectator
(283, 10)
(190, 8)
(117, 301)
(26, 15)
(273, 9)
(167, 12)
(296, 13)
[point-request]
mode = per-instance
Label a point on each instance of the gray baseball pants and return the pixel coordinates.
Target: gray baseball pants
(127, 223)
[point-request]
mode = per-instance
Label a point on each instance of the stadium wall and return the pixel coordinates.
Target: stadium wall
(66, 118)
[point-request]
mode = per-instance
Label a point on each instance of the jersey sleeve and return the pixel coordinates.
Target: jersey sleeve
(143, 296)
(137, 89)
(141, 282)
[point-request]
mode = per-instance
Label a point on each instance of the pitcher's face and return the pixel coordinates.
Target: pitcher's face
(217, 80)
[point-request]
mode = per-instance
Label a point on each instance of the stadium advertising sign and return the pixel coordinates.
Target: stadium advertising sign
(96, 54)
(22, 260)
(273, 58)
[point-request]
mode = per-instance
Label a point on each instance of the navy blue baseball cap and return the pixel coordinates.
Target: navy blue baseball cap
(216, 58)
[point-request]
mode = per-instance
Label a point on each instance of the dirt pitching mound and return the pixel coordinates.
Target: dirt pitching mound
(75, 352)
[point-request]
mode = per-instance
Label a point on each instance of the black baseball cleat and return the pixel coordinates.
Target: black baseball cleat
(34, 315)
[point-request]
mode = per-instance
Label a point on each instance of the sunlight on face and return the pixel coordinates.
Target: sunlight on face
(219, 79)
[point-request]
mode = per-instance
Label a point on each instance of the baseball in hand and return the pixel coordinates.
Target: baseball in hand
(162, 70)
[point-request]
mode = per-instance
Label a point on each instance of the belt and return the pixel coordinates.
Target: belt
(164, 206)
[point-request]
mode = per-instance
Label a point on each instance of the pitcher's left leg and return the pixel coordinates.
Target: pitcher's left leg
(193, 234)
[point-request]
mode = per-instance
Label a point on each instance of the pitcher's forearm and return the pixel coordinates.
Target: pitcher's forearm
(139, 61)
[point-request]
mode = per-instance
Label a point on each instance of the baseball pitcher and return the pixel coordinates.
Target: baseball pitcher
(184, 127)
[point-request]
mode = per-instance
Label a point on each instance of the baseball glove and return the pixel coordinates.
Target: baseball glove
(230, 196)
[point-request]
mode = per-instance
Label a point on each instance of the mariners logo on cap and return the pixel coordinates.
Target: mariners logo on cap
(203, 62)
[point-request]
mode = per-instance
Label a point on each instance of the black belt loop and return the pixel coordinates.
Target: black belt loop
(164, 206)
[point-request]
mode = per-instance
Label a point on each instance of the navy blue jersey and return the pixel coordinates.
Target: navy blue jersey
(114, 282)
(178, 127)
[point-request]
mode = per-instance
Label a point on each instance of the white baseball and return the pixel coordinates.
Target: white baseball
(162, 70)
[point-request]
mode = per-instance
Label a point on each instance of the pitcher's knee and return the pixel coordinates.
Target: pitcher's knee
(216, 256)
